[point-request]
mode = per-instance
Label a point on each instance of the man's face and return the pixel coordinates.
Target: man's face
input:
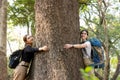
(84, 35)
(30, 39)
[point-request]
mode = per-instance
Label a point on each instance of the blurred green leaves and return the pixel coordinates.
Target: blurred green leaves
(88, 73)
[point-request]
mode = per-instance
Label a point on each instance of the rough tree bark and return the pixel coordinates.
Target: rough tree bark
(57, 23)
(3, 27)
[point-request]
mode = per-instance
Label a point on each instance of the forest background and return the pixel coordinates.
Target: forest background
(100, 18)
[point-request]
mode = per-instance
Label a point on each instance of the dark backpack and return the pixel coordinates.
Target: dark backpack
(97, 53)
(15, 59)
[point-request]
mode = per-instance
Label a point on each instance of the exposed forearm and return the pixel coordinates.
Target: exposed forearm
(78, 46)
(67, 46)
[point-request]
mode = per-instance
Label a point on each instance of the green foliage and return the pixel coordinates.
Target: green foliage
(88, 74)
(83, 1)
(83, 4)
(113, 64)
(21, 13)
(92, 20)
(118, 77)
(113, 61)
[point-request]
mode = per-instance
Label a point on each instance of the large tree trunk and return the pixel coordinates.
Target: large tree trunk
(3, 27)
(57, 23)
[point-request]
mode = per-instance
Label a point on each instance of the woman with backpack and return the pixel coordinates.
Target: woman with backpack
(27, 55)
(85, 46)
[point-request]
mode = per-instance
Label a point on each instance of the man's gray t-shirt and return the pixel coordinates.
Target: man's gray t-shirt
(88, 50)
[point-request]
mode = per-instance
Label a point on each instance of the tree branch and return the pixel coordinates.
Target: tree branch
(98, 76)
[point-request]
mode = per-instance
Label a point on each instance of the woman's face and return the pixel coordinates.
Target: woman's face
(84, 35)
(29, 39)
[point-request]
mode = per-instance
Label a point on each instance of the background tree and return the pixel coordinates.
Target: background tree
(21, 13)
(57, 23)
(104, 25)
(3, 28)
